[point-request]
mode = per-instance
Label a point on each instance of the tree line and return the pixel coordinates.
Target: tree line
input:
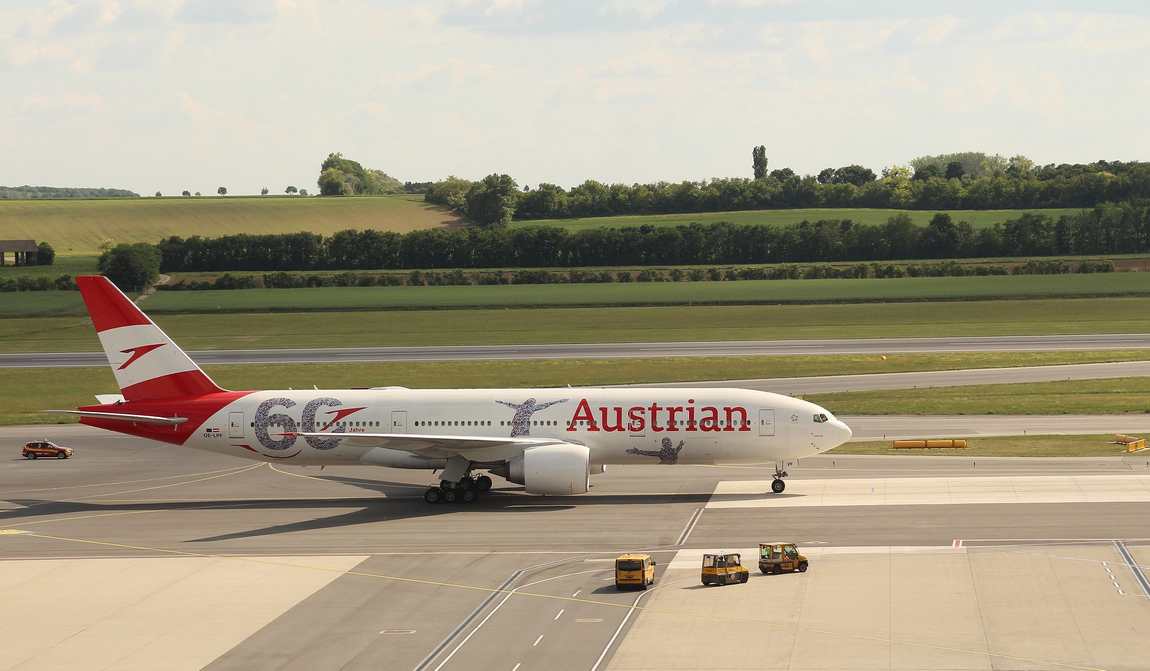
(1106, 229)
(50, 192)
(460, 277)
(1004, 184)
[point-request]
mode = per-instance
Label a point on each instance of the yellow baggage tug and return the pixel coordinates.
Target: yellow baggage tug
(634, 570)
(780, 558)
(724, 569)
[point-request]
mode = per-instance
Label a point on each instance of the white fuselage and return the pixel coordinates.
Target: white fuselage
(617, 425)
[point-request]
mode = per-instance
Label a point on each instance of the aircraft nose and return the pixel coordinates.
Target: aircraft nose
(841, 433)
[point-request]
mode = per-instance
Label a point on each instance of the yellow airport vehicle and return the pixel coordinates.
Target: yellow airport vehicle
(1131, 443)
(781, 558)
(724, 569)
(634, 570)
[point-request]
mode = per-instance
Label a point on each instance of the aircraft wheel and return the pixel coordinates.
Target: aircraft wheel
(433, 495)
(483, 483)
(469, 496)
(778, 486)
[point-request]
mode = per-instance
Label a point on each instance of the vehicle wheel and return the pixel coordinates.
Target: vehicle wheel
(450, 496)
(778, 486)
(802, 567)
(763, 571)
(618, 587)
(469, 496)
(433, 495)
(33, 455)
(62, 456)
(643, 586)
(483, 483)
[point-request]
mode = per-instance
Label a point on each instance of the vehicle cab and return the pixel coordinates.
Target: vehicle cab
(46, 449)
(781, 558)
(724, 569)
(634, 570)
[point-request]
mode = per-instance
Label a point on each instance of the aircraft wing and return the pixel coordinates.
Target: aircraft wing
(475, 448)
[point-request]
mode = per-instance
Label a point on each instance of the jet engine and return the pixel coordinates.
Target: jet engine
(555, 470)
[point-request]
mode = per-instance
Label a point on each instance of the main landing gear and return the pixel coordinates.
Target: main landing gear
(777, 486)
(465, 490)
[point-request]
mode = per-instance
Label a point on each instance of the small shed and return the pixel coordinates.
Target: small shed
(23, 251)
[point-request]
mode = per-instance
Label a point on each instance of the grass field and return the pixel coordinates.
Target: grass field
(1120, 395)
(68, 387)
(64, 265)
(79, 227)
(977, 218)
(652, 293)
(1008, 446)
(581, 325)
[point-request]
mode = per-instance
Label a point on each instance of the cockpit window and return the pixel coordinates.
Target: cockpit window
(820, 418)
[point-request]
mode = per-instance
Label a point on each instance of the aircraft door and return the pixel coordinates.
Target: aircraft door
(766, 422)
(235, 425)
(399, 421)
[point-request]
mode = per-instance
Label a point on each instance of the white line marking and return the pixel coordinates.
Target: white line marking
(559, 614)
(577, 593)
(500, 605)
(537, 641)
(614, 636)
(397, 631)
(584, 620)
(690, 526)
(517, 665)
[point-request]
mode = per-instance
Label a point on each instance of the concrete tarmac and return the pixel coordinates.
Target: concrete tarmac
(130, 532)
(1024, 343)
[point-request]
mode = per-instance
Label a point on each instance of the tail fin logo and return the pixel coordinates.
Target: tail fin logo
(137, 352)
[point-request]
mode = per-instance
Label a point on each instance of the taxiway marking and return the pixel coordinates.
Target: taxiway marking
(691, 522)
(630, 608)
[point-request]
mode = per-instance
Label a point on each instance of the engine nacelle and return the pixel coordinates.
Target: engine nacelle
(556, 470)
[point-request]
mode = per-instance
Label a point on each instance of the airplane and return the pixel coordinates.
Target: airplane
(550, 440)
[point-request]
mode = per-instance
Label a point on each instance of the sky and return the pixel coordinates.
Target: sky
(193, 94)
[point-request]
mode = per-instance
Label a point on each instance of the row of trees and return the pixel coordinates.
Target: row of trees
(223, 191)
(1107, 229)
(459, 277)
(496, 199)
(48, 192)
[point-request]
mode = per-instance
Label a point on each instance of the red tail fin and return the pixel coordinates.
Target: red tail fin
(147, 364)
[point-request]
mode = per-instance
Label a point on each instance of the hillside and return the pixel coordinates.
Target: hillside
(977, 218)
(77, 227)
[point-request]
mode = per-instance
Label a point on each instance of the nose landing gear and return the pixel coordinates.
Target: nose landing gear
(778, 485)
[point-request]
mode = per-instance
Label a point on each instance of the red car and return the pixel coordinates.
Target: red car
(47, 449)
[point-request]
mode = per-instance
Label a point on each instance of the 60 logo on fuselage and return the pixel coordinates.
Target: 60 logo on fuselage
(286, 426)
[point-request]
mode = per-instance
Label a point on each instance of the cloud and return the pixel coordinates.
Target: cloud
(612, 89)
(228, 11)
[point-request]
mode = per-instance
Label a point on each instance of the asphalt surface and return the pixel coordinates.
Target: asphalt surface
(511, 580)
(798, 386)
(1105, 341)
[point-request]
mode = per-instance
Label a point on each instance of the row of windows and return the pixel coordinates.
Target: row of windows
(477, 422)
(535, 422)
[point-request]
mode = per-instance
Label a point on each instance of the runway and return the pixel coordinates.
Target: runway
(173, 558)
(1050, 343)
